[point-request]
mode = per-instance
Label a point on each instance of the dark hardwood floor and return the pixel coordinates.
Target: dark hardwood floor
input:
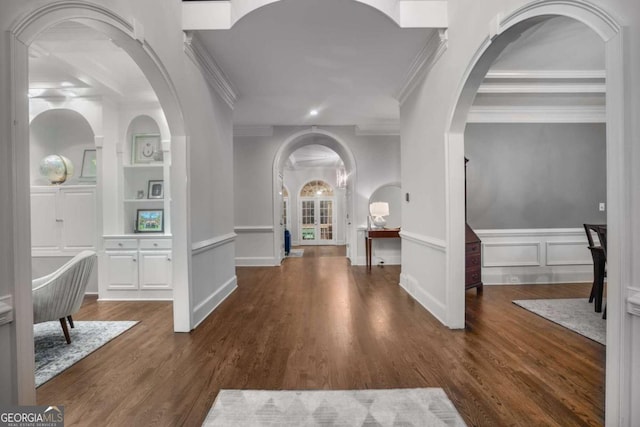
(317, 323)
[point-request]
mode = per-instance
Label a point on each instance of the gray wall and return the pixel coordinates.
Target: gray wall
(535, 175)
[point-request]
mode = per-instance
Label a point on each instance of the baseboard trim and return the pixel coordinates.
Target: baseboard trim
(256, 262)
(424, 298)
(206, 307)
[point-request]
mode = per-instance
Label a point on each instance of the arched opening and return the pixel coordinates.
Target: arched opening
(120, 32)
(509, 29)
(342, 169)
(64, 219)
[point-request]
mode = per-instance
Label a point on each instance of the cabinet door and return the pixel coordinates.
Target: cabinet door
(45, 224)
(78, 208)
(155, 270)
(122, 270)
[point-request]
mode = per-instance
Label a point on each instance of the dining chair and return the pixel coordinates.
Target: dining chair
(599, 256)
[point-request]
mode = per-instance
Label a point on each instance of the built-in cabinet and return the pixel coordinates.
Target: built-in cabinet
(63, 219)
(132, 163)
(137, 268)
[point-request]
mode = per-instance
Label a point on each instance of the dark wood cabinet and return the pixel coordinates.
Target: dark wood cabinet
(473, 260)
(473, 249)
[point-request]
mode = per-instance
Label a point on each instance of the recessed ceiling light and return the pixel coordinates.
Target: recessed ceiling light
(66, 84)
(313, 112)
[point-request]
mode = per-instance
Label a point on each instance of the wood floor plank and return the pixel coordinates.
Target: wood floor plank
(317, 323)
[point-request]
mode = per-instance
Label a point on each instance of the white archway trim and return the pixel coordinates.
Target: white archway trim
(291, 144)
(618, 366)
(222, 15)
(22, 35)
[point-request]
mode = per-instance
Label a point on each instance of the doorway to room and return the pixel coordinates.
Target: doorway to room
(318, 172)
(63, 21)
(508, 29)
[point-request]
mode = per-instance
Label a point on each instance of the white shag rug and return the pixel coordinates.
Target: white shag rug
(54, 355)
(423, 407)
(576, 314)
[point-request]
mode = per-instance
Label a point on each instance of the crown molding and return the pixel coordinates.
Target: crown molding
(544, 81)
(252, 130)
(542, 87)
(212, 72)
(425, 60)
(546, 74)
(544, 114)
(378, 129)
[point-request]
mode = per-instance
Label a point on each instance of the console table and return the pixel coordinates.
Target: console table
(382, 233)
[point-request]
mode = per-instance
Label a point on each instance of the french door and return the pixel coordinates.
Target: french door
(317, 221)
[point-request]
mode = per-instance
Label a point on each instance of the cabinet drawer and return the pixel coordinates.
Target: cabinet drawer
(472, 260)
(472, 276)
(155, 244)
(473, 247)
(110, 244)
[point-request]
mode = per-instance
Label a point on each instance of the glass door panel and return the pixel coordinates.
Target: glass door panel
(308, 218)
(326, 220)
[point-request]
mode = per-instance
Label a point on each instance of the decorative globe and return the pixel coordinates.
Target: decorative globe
(56, 168)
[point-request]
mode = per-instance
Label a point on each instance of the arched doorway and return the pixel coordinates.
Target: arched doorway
(121, 31)
(316, 136)
(508, 29)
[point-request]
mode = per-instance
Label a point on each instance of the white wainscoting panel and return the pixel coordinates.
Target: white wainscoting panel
(254, 246)
(530, 256)
(568, 253)
(510, 254)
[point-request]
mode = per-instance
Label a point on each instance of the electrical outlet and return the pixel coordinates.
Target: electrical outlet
(514, 279)
(601, 207)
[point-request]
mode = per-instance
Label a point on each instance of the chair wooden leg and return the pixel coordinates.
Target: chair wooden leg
(65, 329)
(70, 319)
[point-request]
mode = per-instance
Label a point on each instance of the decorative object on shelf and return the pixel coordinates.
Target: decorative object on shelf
(146, 148)
(56, 168)
(150, 221)
(378, 211)
(156, 189)
(140, 194)
(89, 166)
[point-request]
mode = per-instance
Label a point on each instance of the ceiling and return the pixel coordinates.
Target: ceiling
(315, 156)
(72, 60)
(343, 58)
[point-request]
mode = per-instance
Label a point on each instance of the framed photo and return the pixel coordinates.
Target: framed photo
(146, 148)
(156, 189)
(89, 165)
(150, 221)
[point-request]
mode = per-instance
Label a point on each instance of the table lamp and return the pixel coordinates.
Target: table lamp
(378, 211)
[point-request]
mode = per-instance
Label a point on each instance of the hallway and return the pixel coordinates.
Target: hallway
(318, 323)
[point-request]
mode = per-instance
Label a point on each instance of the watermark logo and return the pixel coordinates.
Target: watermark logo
(32, 416)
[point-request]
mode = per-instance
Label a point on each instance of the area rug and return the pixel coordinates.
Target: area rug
(395, 407)
(296, 253)
(54, 355)
(576, 314)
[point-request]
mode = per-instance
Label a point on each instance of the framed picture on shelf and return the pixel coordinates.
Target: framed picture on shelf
(146, 148)
(89, 165)
(156, 189)
(150, 221)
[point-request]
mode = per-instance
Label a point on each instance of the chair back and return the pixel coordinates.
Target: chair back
(60, 294)
(598, 230)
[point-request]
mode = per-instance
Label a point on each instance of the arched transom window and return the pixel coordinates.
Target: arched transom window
(316, 188)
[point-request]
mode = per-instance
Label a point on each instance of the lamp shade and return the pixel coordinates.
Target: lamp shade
(379, 209)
